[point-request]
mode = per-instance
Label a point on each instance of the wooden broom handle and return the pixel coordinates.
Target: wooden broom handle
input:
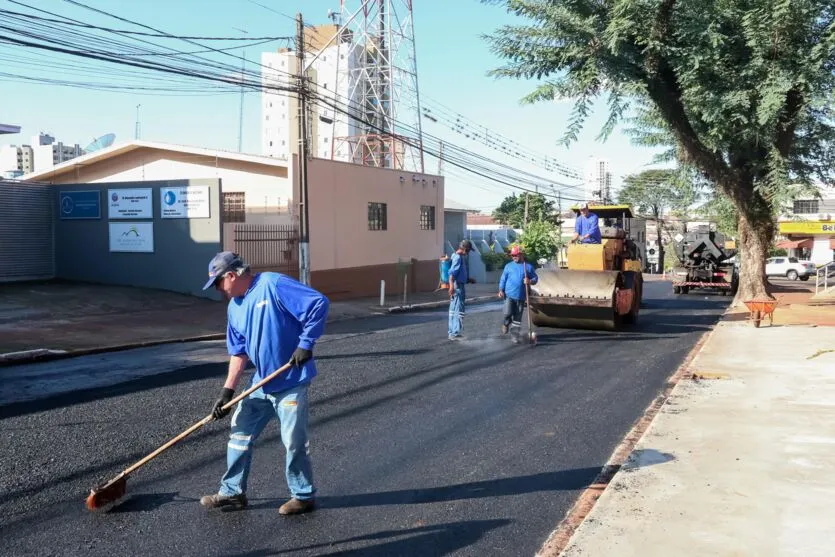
(207, 419)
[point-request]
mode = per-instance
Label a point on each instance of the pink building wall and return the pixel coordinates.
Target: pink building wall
(338, 196)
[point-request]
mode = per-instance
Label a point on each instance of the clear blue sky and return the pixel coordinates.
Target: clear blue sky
(452, 59)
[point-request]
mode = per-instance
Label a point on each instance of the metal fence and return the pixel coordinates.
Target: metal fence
(269, 247)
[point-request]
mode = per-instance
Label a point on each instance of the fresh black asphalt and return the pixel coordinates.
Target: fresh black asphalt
(420, 446)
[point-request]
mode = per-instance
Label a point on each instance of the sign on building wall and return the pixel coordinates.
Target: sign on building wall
(807, 227)
(132, 237)
(79, 204)
(185, 202)
(130, 204)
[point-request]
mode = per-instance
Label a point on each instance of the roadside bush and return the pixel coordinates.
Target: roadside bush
(494, 261)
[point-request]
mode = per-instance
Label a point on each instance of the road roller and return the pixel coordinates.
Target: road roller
(601, 286)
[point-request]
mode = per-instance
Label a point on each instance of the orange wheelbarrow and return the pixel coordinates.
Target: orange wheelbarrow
(760, 309)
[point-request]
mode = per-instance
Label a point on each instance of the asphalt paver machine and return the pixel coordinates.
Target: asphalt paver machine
(602, 285)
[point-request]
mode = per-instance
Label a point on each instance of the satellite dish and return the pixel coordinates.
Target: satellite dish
(101, 143)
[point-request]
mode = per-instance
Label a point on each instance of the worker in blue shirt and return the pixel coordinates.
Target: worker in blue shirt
(459, 277)
(512, 289)
(586, 228)
(272, 320)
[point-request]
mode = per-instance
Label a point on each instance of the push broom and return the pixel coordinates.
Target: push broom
(117, 487)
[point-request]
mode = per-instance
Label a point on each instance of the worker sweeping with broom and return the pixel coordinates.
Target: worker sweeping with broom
(518, 274)
(272, 319)
(273, 322)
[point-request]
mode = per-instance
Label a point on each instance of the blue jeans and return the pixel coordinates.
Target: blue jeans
(513, 313)
(456, 310)
(248, 421)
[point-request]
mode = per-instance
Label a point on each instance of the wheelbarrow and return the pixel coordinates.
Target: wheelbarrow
(760, 309)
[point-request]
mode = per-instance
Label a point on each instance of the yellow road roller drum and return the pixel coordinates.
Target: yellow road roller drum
(602, 286)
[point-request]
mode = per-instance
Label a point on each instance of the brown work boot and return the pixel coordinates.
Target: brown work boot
(225, 502)
(297, 506)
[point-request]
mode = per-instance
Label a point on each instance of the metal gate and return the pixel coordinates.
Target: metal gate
(26, 232)
(269, 247)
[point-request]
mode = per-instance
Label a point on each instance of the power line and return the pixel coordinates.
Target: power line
(140, 33)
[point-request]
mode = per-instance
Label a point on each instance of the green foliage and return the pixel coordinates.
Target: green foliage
(511, 211)
(540, 241)
(743, 89)
(777, 252)
(720, 210)
(655, 193)
(495, 260)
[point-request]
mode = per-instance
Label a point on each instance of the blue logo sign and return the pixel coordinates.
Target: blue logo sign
(170, 198)
(79, 204)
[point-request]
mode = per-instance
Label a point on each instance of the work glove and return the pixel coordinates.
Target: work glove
(225, 396)
(300, 356)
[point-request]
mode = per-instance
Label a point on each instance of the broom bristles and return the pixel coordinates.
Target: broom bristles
(107, 493)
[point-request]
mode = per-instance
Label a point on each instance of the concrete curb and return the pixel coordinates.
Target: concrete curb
(46, 355)
(561, 537)
(438, 304)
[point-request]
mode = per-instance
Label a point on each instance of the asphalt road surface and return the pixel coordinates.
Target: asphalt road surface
(420, 446)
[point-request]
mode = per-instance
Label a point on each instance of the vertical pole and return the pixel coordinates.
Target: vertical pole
(136, 132)
(241, 107)
(440, 159)
(304, 140)
(405, 285)
(526, 210)
(559, 245)
(382, 293)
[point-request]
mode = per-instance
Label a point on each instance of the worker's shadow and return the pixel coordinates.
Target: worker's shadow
(143, 502)
(435, 539)
(563, 480)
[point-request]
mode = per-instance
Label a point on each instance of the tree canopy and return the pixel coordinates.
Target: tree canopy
(742, 86)
(657, 192)
(511, 211)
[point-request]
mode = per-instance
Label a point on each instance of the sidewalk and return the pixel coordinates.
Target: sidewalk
(740, 458)
(48, 319)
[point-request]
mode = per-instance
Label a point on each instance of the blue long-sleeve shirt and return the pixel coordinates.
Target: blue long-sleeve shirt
(458, 269)
(275, 316)
(588, 225)
(512, 281)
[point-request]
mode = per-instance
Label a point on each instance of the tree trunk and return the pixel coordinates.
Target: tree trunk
(756, 231)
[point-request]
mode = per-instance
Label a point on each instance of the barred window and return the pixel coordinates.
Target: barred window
(806, 207)
(427, 217)
(234, 206)
(377, 216)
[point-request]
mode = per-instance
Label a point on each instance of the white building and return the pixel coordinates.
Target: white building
(279, 110)
(43, 154)
(808, 229)
(47, 152)
(598, 180)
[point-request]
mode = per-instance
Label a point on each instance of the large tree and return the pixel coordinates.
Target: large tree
(743, 86)
(658, 193)
(511, 211)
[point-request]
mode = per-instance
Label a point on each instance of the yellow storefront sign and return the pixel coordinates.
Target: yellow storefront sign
(807, 227)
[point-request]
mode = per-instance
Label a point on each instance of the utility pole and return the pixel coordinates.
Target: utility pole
(559, 231)
(304, 141)
(526, 210)
(136, 132)
(241, 109)
(441, 159)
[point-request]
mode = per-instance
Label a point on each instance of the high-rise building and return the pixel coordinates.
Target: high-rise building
(42, 154)
(598, 180)
(280, 109)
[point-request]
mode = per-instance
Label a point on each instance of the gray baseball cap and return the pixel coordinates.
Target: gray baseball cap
(221, 264)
